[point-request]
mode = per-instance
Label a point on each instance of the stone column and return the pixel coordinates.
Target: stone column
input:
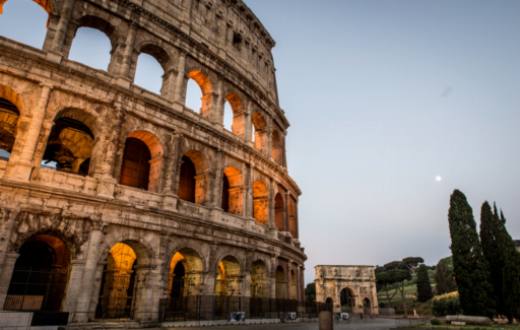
(56, 32)
(148, 293)
(248, 131)
(269, 137)
(179, 93)
(248, 192)
(217, 106)
(5, 276)
(8, 219)
(169, 173)
(168, 87)
(87, 281)
(74, 286)
(21, 164)
(216, 191)
(123, 53)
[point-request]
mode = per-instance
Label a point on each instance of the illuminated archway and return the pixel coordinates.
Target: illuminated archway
(232, 197)
(281, 283)
(192, 181)
(9, 115)
(234, 115)
(260, 202)
(259, 131)
(279, 212)
(204, 92)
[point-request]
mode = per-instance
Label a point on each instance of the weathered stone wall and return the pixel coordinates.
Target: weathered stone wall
(330, 280)
(220, 43)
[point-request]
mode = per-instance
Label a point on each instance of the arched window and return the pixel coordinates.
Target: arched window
(135, 170)
(279, 212)
(92, 45)
(277, 151)
(292, 217)
(151, 66)
(9, 115)
(25, 21)
(149, 73)
(259, 138)
(184, 280)
(260, 202)
(198, 92)
(142, 161)
(232, 199)
(40, 275)
(187, 180)
(234, 115)
(71, 142)
(228, 116)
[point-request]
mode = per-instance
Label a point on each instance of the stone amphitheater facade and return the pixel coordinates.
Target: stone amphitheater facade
(115, 201)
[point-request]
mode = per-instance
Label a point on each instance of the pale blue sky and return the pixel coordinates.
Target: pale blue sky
(383, 95)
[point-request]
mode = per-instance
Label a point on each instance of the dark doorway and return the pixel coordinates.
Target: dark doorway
(347, 300)
(187, 180)
(40, 275)
(135, 170)
(225, 193)
(177, 294)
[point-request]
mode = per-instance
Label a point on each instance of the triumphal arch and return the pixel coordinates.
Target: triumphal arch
(350, 289)
(121, 203)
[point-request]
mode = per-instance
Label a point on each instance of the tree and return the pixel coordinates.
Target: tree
(470, 266)
(424, 288)
(490, 239)
(391, 278)
(444, 277)
(510, 293)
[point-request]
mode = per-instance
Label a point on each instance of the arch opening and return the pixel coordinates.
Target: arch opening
(198, 92)
(277, 150)
(281, 283)
(70, 143)
(260, 202)
(232, 199)
(25, 21)
(367, 306)
(227, 286)
(40, 275)
(279, 212)
(92, 43)
(292, 218)
(118, 284)
(293, 286)
(259, 131)
(192, 181)
(9, 115)
(142, 161)
(234, 115)
(259, 289)
(149, 73)
(347, 300)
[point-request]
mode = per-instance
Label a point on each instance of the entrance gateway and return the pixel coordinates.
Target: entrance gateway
(350, 289)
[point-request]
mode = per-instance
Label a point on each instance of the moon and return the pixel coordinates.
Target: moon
(438, 178)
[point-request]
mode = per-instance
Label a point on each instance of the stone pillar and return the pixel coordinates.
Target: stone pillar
(168, 87)
(123, 53)
(57, 31)
(217, 107)
(216, 191)
(269, 137)
(21, 164)
(8, 219)
(5, 275)
(87, 281)
(248, 192)
(248, 131)
(179, 93)
(74, 286)
(170, 172)
(148, 293)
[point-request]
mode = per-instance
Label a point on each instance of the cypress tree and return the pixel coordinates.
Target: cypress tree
(510, 292)
(470, 266)
(424, 289)
(490, 239)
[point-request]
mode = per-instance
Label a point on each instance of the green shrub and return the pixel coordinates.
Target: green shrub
(449, 306)
(435, 322)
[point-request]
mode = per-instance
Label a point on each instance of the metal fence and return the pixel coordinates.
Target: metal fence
(193, 308)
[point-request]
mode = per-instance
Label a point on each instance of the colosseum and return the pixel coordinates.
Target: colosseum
(120, 203)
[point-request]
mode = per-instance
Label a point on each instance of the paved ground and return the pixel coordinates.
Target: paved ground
(373, 324)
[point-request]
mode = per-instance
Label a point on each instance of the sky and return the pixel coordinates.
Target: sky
(392, 104)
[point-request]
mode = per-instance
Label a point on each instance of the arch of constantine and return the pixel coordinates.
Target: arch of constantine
(117, 202)
(350, 289)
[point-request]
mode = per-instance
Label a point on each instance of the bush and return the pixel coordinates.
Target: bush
(447, 305)
(435, 322)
